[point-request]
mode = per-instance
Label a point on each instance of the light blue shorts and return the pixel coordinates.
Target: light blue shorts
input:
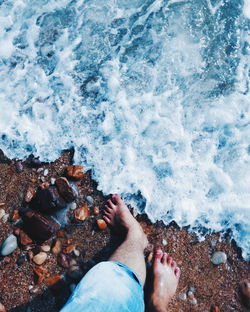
(107, 287)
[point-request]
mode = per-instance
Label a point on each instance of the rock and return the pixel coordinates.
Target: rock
(164, 242)
(30, 255)
(96, 210)
(63, 261)
(2, 308)
(244, 290)
(30, 194)
(9, 245)
(65, 190)
(75, 172)
(73, 206)
(81, 213)
(24, 239)
(7, 260)
(76, 252)
(34, 161)
(52, 181)
(69, 249)
(90, 199)
(183, 296)
(21, 260)
(40, 258)
(39, 227)
(102, 225)
(214, 309)
(2, 213)
(57, 248)
(40, 274)
(19, 166)
(5, 217)
(61, 234)
(45, 248)
(219, 257)
(44, 185)
(15, 215)
(193, 301)
(51, 281)
(34, 289)
(46, 172)
(190, 295)
(48, 200)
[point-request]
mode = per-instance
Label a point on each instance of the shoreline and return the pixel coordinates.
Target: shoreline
(211, 284)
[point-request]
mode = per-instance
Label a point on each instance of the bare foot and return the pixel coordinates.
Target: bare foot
(118, 215)
(245, 293)
(166, 276)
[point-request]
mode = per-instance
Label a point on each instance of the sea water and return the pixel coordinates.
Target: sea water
(153, 95)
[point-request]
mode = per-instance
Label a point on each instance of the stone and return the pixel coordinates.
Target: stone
(76, 252)
(9, 245)
(40, 258)
(30, 255)
(44, 185)
(45, 248)
(30, 194)
(69, 249)
(96, 210)
(190, 295)
(61, 234)
(219, 257)
(5, 217)
(164, 242)
(35, 161)
(214, 308)
(46, 172)
(63, 261)
(102, 225)
(74, 172)
(2, 308)
(193, 301)
(15, 215)
(19, 166)
(81, 213)
(73, 206)
(90, 199)
(183, 296)
(65, 190)
(34, 289)
(24, 239)
(39, 227)
(21, 260)
(51, 281)
(57, 248)
(40, 274)
(48, 200)
(52, 181)
(2, 213)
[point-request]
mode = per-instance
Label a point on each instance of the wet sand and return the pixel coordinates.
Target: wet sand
(210, 284)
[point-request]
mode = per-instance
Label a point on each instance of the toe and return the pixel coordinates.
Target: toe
(108, 214)
(158, 255)
(164, 258)
(117, 199)
(169, 260)
(173, 264)
(108, 209)
(107, 219)
(177, 272)
(111, 204)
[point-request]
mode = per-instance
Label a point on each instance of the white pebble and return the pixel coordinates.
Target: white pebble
(73, 206)
(76, 252)
(164, 242)
(9, 245)
(5, 218)
(45, 173)
(183, 296)
(52, 181)
(219, 257)
(90, 199)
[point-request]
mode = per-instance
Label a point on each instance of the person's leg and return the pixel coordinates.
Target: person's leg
(131, 251)
(165, 280)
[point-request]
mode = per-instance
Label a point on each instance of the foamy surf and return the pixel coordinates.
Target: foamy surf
(153, 96)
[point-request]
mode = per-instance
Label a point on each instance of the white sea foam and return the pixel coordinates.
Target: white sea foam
(153, 96)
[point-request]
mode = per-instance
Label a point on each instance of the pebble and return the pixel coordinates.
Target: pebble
(190, 295)
(5, 218)
(24, 239)
(40, 272)
(45, 173)
(65, 189)
(21, 260)
(183, 296)
(63, 261)
(45, 248)
(219, 257)
(2, 308)
(19, 166)
(81, 213)
(164, 242)
(96, 210)
(9, 245)
(75, 172)
(34, 289)
(61, 233)
(52, 181)
(57, 247)
(40, 258)
(15, 215)
(2, 213)
(102, 225)
(73, 206)
(193, 301)
(76, 252)
(30, 194)
(69, 249)
(90, 199)
(39, 170)
(51, 281)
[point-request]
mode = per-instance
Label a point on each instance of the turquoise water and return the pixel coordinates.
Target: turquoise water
(153, 96)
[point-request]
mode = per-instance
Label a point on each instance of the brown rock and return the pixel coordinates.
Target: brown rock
(30, 194)
(53, 280)
(81, 213)
(2, 308)
(45, 248)
(75, 172)
(39, 227)
(57, 247)
(63, 261)
(69, 249)
(65, 189)
(24, 239)
(40, 258)
(214, 309)
(102, 225)
(96, 210)
(40, 274)
(15, 215)
(61, 233)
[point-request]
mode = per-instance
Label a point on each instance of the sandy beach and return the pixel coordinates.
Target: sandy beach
(26, 286)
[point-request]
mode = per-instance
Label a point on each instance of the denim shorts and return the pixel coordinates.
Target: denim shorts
(108, 287)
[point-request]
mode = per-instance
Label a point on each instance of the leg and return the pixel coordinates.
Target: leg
(166, 276)
(131, 251)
